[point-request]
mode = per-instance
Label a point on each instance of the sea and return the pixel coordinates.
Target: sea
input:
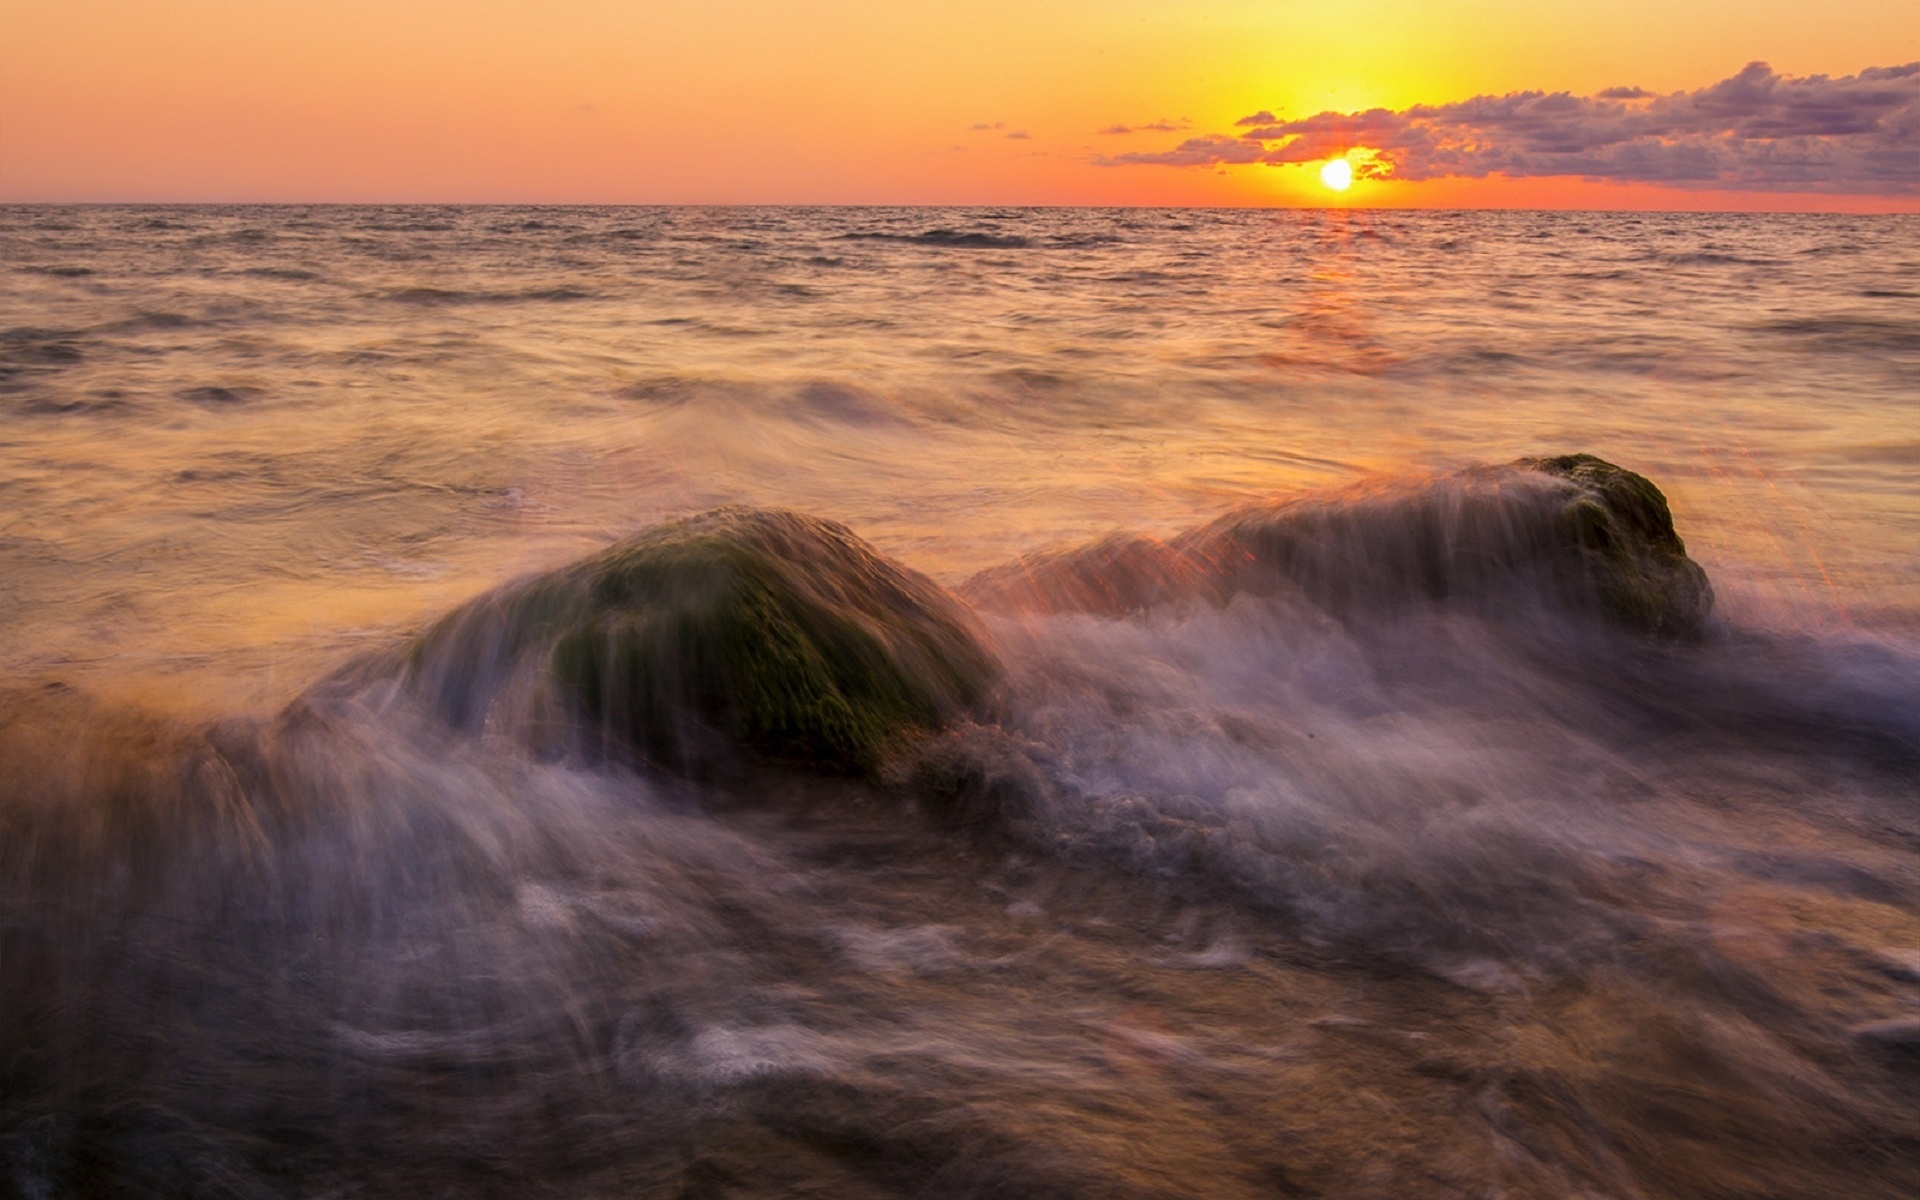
(1449, 897)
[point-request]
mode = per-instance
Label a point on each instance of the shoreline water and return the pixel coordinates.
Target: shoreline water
(1389, 865)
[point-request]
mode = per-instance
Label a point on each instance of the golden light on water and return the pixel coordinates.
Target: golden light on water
(1337, 174)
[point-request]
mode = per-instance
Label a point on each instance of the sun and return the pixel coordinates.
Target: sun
(1337, 174)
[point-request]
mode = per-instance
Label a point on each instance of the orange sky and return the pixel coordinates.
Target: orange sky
(842, 101)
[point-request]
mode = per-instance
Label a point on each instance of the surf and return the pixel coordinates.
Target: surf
(740, 855)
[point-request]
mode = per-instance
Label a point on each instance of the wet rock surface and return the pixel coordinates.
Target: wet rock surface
(741, 629)
(1568, 533)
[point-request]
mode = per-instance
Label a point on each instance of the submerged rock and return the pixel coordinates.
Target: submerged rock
(1573, 532)
(779, 635)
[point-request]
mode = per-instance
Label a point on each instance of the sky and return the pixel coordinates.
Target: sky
(1678, 104)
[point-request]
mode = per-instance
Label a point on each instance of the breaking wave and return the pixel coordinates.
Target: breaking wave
(1421, 840)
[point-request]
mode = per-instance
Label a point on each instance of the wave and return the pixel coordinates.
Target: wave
(288, 274)
(1712, 258)
(819, 402)
(152, 321)
(220, 396)
(1851, 333)
(107, 402)
(434, 297)
(739, 855)
(965, 239)
(24, 347)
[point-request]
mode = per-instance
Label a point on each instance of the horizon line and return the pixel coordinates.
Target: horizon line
(771, 204)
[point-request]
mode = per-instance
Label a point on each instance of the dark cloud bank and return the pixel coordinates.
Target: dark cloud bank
(1756, 130)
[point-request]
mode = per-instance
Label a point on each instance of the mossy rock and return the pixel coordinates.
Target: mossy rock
(1616, 536)
(737, 633)
(1575, 533)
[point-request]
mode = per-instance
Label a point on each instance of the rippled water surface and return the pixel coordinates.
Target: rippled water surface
(1262, 894)
(242, 431)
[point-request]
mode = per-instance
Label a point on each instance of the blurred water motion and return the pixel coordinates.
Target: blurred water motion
(1409, 874)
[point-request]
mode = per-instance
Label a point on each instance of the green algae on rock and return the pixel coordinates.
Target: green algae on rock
(1616, 527)
(1574, 532)
(740, 629)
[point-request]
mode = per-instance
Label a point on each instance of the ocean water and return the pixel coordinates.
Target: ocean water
(1327, 889)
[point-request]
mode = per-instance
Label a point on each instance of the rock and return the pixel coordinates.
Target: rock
(741, 629)
(1573, 532)
(1615, 525)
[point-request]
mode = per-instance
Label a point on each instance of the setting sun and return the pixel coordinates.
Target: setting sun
(1337, 174)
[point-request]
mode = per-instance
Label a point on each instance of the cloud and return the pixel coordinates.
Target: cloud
(1194, 152)
(980, 126)
(1263, 117)
(1020, 135)
(1163, 125)
(1753, 131)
